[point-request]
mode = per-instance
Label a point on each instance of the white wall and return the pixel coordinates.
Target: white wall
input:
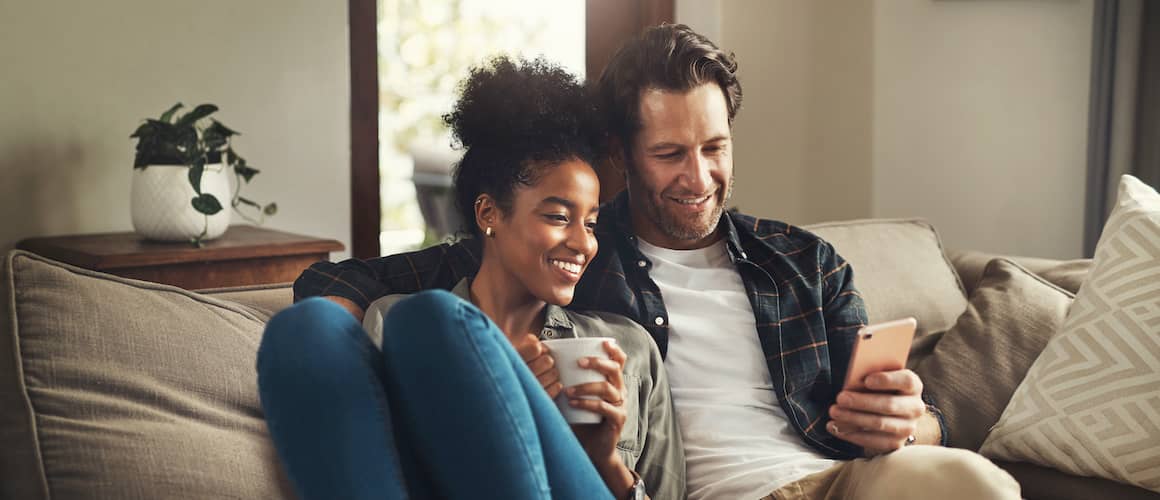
(980, 120)
(972, 114)
(79, 76)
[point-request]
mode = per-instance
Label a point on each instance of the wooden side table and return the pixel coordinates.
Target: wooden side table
(244, 255)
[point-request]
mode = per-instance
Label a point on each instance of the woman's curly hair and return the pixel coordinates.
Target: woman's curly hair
(515, 119)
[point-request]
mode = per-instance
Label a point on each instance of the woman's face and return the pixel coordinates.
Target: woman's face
(546, 240)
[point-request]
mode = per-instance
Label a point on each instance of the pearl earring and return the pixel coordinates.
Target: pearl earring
(488, 232)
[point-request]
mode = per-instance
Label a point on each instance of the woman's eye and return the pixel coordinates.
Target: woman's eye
(591, 225)
(557, 218)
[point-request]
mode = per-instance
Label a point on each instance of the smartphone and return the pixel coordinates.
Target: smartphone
(879, 348)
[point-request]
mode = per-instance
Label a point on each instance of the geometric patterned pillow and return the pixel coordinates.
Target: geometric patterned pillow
(1090, 405)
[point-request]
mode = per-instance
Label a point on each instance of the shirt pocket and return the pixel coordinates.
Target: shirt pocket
(632, 435)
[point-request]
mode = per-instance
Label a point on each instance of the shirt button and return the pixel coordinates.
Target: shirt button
(660, 320)
(550, 333)
(641, 263)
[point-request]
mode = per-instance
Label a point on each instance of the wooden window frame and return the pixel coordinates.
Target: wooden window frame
(608, 24)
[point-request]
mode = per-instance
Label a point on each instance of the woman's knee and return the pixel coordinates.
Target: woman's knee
(313, 330)
(438, 314)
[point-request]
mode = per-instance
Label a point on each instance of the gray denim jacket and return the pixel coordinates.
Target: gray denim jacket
(650, 442)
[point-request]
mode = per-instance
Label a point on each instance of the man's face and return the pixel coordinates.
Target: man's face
(680, 172)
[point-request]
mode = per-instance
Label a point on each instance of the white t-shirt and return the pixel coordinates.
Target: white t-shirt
(738, 442)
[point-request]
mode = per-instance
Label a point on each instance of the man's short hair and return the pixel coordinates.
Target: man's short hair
(669, 57)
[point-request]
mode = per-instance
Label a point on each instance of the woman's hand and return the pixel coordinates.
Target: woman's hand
(535, 354)
(599, 440)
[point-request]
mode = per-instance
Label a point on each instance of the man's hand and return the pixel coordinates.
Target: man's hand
(347, 304)
(881, 419)
(535, 354)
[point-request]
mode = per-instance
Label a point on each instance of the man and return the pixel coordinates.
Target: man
(755, 318)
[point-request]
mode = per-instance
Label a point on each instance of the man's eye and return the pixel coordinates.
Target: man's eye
(669, 156)
(557, 218)
(591, 225)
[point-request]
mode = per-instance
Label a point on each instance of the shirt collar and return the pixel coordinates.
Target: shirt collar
(555, 317)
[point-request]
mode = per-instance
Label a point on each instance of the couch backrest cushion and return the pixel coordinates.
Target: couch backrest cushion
(113, 388)
(900, 270)
(263, 300)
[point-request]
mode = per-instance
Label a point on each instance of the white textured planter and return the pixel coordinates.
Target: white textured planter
(161, 208)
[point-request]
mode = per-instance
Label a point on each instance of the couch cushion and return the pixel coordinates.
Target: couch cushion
(981, 360)
(900, 269)
(1089, 405)
(1044, 483)
(263, 300)
(113, 388)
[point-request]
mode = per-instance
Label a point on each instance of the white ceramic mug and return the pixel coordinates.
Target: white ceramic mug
(568, 353)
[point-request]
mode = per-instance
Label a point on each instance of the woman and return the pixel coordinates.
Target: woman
(458, 401)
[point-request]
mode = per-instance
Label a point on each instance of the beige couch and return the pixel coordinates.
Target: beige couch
(112, 388)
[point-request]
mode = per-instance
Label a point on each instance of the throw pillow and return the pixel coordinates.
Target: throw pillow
(1090, 405)
(115, 388)
(979, 362)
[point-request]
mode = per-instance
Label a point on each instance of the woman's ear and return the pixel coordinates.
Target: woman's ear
(487, 213)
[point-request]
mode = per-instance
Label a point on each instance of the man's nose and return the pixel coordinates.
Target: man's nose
(697, 177)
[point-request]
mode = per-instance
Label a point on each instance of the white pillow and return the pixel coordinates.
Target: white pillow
(1090, 405)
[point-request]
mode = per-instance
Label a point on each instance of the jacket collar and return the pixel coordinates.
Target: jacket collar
(555, 317)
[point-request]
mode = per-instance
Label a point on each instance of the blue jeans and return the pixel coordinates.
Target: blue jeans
(447, 409)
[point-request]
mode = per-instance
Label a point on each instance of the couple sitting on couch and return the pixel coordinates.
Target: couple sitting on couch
(754, 321)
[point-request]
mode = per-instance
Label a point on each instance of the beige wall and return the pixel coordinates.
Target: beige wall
(804, 130)
(79, 76)
(972, 114)
(980, 120)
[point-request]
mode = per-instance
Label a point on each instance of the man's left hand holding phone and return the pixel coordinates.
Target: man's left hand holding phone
(885, 414)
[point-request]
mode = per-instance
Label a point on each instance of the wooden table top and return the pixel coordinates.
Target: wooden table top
(127, 249)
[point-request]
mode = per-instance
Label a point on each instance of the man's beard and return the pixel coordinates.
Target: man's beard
(683, 228)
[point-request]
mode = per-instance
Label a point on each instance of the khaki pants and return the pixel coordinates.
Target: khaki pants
(910, 473)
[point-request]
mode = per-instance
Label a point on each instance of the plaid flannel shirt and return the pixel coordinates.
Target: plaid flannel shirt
(801, 291)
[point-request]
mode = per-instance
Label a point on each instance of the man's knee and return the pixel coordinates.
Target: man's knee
(937, 472)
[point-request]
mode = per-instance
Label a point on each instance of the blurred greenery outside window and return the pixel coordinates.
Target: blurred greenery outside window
(425, 48)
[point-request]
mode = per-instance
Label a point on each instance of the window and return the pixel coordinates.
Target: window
(424, 49)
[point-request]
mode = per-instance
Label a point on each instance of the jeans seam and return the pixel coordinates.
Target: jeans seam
(463, 320)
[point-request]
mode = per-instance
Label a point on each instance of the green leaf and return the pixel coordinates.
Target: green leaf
(195, 172)
(167, 116)
(251, 203)
(222, 129)
(246, 172)
(198, 113)
(145, 129)
(270, 209)
(207, 204)
(216, 135)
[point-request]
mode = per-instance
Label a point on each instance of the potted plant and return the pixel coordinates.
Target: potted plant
(181, 176)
